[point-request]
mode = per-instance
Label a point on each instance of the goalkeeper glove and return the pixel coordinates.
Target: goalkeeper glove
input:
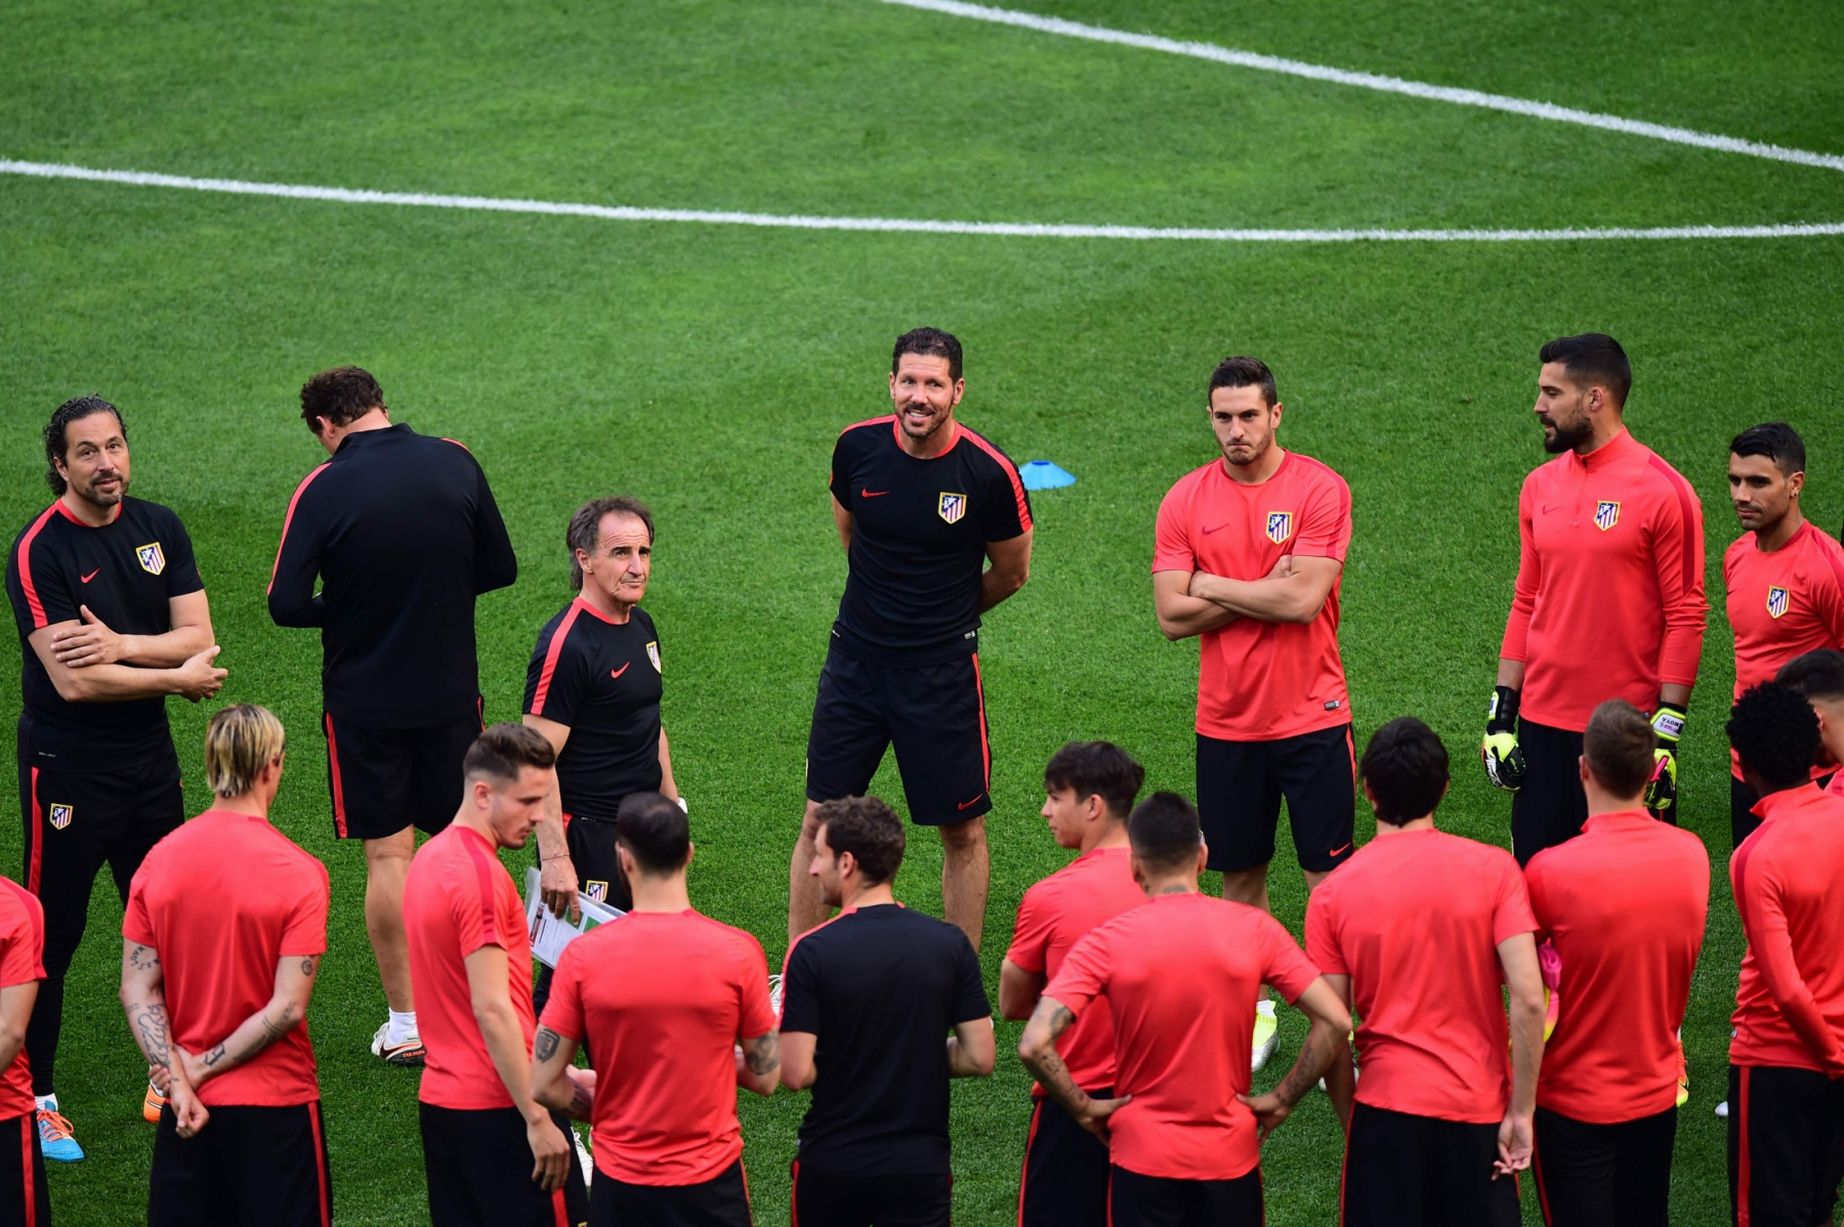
(1504, 761)
(1662, 789)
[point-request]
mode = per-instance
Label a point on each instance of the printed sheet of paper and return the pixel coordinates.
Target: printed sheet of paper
(550, 934)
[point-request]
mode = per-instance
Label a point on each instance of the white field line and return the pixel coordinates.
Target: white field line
(901, 225)
(1374, 81)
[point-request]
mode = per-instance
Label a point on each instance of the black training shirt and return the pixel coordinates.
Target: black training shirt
(602, 679)
(880, 987)
(919, 535)
(126, 572)
(403, 533)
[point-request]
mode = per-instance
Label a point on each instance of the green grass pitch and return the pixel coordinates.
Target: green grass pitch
(708, 369)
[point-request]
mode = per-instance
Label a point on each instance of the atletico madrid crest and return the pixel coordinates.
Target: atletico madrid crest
(1606, 514)
(61, 816)
(653, 654)
(1776, 602)
(596, 891)
(1280, 526)
(951, 507)
(150, 557)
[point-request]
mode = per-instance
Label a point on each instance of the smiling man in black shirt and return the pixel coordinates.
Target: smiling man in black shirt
(922, 504)
(402, 533)
(883, 1006)
(112, 618)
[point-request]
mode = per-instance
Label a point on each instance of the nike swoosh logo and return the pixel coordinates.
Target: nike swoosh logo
(1339, 851)
(92, 575)
(620, 671)
(872, 493)
(1549, 507)
(970, 804)
(1213, 528)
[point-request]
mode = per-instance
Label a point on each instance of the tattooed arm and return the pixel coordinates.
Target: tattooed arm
(1037, 1049)
(551, 1083)
(144, 1000)
(758, 1064)
(282, 1013)
(1331, 1024)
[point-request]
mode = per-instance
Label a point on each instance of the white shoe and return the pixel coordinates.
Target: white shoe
(1267, 1035)
(1722, 1109)
(582, 1156)
(776, 990)
(409, 1053)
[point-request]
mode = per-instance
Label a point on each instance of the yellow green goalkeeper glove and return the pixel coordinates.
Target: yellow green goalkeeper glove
(1662, 789)
(1504, 760)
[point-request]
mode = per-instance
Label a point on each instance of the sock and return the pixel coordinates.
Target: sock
(1265, 1007)
(402, 1028)
(46, 1103)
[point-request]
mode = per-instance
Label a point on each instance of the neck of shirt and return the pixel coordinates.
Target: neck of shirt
(1787, 535)
(1230, 470)
(79, 511)
(1616, 446)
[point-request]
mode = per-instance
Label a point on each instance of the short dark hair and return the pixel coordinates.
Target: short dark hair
(1777, 441)
(1591, 358)
(1775, 733)
(1164, 832)
(1816, 675)
(57, 433)
(340, 395)
(1096, 769)
(586, 524)
(1620, 747)
(869, 830)
(503, 750)
(929, 342)
(1242, 371)
(1405, 769)
(654, 830)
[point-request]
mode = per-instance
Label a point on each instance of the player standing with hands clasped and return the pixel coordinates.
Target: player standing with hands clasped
(112, 618)
(1609, 597)
(921, 503)
(1249, 554)
(403, 534)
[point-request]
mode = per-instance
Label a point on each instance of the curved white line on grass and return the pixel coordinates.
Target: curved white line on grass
(902, 225)
(1375, 81)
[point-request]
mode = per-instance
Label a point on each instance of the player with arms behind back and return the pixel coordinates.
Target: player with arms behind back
(1608, 601)
(1784, 577)
(1249, 557)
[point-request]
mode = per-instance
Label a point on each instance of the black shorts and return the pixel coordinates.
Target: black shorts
(1240, 785)
(1551, 806)
(935, 716)
(1065, 1179)
(591, 842)
(720, 1202)
(1786, 1145)
(1154, 1201)
(479, 1168)
(24, 1197)
(1604, 1175)
(1401, 1168)
(247, 1165)
(823, 1199)
(383, 781)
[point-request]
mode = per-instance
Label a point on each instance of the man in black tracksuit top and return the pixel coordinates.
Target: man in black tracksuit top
(403, 534)
(112, 618)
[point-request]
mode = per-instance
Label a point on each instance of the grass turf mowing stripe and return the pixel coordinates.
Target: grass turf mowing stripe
(1378, 82)
(498, 204)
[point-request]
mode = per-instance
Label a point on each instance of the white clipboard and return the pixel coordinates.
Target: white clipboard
(550, 934)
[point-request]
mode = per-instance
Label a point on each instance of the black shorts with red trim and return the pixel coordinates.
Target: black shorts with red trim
(1616, 1175)
(1240, 786)
(1401, 1168)
(1157, 1201)
(247, 1165)
(935, 717)
(25, 1198)
(826, 1199)
(383, 781)
(719, 1202)
(1786, 1145)
(479, 1167)
(1065, 1178)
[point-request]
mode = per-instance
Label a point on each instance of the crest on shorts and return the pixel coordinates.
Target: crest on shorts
(596, 891)
(61, 816)
(1776, 602)
(152, 560)
(1606, 514)
(1280, 526)
(653, 654)
(951, 506)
